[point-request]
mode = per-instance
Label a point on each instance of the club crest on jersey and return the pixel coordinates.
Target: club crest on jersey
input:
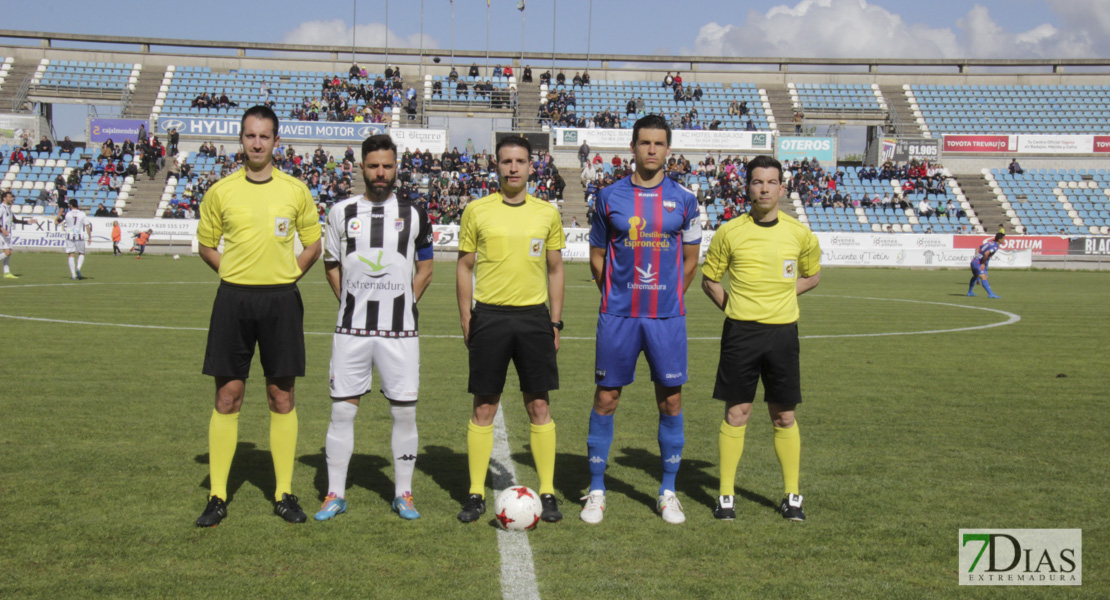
(281, 226)
(398, 224)
(788, 268)
(536, 248)
(669, 205)
(354, 227)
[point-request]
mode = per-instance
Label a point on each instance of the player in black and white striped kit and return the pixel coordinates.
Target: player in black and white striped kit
(7, 221)
(76, 226)
(378, 259)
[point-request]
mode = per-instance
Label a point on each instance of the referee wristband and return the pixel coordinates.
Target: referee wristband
(557, 325)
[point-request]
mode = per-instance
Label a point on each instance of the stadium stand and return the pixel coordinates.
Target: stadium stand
(1054, 202)
(38, 182)
(1011, 109)
(86, 75)
(818, 97)
(5, 69)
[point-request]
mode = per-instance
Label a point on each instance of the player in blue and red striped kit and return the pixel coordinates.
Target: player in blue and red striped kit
(644, 244)
(979, 265)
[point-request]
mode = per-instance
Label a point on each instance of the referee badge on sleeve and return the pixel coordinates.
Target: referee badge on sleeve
(789, 268)
(536, 248)
(281, 226)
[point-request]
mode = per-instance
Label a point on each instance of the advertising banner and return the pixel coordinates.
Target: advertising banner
(1089, 246)
(1037, 244)
(681, 139)
(432, 140)
(45, 234)
(1056, 144)
(14, 126)
(116, 129)
(821, 148)
(213, 127)
(904, 151)
(980, 143)
(1102, 143)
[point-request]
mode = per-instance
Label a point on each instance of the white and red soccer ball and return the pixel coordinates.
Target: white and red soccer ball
(517, 508)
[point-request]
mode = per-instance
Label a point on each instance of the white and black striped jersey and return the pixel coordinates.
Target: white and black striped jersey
(75, 222)
(7, 220)
(377, 245)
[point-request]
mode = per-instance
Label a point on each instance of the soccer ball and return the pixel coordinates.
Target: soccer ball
(517, 508)
(176, 256)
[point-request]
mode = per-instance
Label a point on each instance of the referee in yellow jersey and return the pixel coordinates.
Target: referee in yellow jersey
(770, 259)
(510, 264)
(256, 210)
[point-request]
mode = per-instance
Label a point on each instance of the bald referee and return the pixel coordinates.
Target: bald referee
(257, 211)
(770, 259)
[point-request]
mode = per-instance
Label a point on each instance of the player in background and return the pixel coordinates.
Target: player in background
(378, 260)
(77, 225)
(510, 264)
(7, 221)
(256, 211)
(979, 265)
(117, 235)
(644, 244)
(141, 239)
(770, 259)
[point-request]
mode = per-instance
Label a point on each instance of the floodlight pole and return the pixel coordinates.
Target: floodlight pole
(554, 18)
(354, 26)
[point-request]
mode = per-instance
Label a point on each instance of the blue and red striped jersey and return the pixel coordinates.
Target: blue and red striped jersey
(986, 252)
(643, 231)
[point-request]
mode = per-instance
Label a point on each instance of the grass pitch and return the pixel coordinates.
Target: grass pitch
(905, 439)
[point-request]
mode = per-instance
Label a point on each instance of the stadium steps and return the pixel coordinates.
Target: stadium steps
(21, 71)
(528, 110)
(574, 197)
(145, 194)
(983, 201)
(142, 99)
(782, 109)
(907, 125)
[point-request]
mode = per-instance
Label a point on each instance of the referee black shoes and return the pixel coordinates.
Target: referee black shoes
(550, 513)
(473, 508)
(791, 508)
(213, 513)
(725, 509)
(289, 509)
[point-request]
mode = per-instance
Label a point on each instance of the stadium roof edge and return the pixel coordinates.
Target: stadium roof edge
(784, 63)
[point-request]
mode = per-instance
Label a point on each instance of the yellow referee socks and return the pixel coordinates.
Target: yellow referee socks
(283, 449)
(223, 436)
(731, 443)
(788, 447)
(543, 454)
(479, 447)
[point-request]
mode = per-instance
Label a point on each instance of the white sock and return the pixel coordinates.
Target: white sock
(339, 445)
(72, 268)
(80, 261)
(7, 269)
(405, 442)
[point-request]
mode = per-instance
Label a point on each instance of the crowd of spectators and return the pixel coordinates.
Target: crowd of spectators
(359, 98)
(206, 100)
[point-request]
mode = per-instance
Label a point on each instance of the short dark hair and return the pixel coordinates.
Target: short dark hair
(998, 236)
(260, 111)
(650, 122)
(513, 140)
(762, 162)
(374, 143)
(73, 203)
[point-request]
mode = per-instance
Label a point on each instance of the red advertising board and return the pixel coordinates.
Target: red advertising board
(1102, 143)
(980, 143)
(1041, 245)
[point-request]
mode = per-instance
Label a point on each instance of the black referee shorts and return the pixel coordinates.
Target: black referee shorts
(752, 350)
(522, 334)
(271, 316)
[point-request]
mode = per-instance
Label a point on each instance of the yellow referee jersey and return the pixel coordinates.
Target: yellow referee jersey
(511, 244)
(257, 222)
(763, 264)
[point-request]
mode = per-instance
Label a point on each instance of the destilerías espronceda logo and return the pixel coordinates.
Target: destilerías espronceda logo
(1021, 557)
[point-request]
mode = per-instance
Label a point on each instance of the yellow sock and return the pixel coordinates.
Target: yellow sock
(788, 447)
(543, 454)
(223, 436)
(479, 447)
(283, 449)
(731, 443)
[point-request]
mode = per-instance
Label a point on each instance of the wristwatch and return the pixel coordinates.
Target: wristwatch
(557, 325)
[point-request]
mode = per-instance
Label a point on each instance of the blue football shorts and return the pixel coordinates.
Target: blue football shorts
(621, 339)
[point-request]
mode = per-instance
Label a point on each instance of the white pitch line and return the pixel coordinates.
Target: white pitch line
(518, 573)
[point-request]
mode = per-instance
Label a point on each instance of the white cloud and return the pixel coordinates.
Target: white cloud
(1088, 17)
(338, 32)
(857, 29)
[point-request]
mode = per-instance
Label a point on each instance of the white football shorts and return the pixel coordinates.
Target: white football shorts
(5, 242)
(75, 246)
(396, 359)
